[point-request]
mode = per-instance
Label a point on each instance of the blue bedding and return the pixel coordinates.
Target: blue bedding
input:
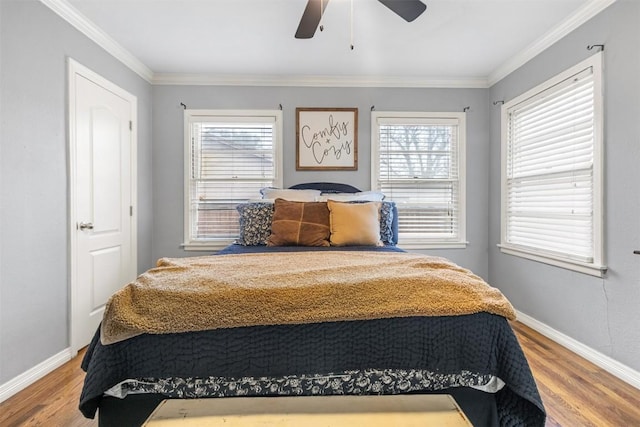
(480, 344)
(239, 249)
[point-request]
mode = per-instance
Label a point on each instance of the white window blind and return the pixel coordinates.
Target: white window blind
(230, 158)
(419, 165)
(551, 203)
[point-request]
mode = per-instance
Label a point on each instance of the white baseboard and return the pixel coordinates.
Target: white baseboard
(27, 378)
(610, 365)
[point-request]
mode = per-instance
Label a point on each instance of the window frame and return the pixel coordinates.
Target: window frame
(597, 266)
(190, 116)
(421, 242)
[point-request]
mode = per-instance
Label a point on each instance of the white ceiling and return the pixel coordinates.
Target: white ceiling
(472, 42)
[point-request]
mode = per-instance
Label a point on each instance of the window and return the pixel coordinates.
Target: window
(229, 157)
(552, 171)
(418, 161)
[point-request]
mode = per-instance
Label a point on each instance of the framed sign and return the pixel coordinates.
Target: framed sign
(326, 139)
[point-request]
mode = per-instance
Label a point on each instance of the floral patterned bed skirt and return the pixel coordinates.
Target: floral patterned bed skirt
(358, 382)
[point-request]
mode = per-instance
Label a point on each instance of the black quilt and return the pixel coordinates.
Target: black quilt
(481, 343)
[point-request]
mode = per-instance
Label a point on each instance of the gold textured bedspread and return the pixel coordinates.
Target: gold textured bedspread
(201, 293)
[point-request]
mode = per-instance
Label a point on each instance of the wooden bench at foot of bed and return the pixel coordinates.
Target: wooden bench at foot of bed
(311, 411)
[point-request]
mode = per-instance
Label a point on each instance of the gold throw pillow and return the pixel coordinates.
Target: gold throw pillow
(354, 223)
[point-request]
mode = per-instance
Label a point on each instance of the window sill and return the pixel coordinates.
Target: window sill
(206, 246)
(416, 244)
(580, 267)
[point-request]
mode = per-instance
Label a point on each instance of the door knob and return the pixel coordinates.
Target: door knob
(85, 226)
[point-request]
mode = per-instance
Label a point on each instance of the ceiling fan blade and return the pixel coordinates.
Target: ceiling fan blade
(406, 9)
(311, 18)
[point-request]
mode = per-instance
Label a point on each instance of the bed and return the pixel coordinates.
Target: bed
(302, 347)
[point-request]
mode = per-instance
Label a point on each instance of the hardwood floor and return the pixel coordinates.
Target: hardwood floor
(575, 392)
(51, 401)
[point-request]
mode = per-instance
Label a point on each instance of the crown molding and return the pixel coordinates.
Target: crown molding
(316, 81)
(578, 18)
(93, 32)
(70, 14)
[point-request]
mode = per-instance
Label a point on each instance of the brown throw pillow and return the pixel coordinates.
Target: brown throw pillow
(299, 224)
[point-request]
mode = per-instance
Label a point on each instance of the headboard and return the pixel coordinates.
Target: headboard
(334, 187)
(326, 187)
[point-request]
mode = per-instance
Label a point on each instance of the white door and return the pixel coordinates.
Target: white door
(102, 160)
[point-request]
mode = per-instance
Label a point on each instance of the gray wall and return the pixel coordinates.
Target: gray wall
(601, 313)
(34, 264)
(34, 45)
(168, 148)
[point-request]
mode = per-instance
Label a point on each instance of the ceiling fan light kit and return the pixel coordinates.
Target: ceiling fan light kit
(408, 10)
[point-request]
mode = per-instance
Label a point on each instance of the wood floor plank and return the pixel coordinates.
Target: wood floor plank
(51, 401)
(575, 392)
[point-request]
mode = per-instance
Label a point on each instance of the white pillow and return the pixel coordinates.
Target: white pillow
(363, 196)
(290, 195)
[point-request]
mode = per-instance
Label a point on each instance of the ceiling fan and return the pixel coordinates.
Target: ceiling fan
(406, 9)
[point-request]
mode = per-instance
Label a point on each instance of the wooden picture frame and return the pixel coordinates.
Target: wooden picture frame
(326, 139)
